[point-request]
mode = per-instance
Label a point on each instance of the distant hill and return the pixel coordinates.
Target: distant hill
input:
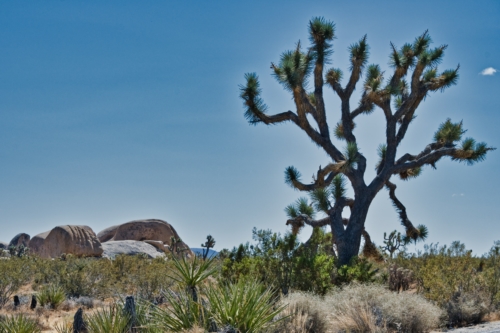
(199, 251)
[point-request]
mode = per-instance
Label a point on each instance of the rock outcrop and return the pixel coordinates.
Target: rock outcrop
(107, 234)
(129, 247)
(143, 230)
(36, 242)
(4, 246)
(20, 239)
(78, 240)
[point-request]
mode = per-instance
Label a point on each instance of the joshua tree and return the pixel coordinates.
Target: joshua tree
(415, 75)
(209, 244)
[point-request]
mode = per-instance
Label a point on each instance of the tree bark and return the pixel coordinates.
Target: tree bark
(349, 241)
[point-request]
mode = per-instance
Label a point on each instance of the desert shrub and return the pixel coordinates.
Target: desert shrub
(247, 306)
(465, 308)
(14, 273)
(19, 324)
(282, 262)
(363, 308)
(301, 314)
(439, 272)
(367, 305)
(51, 295)
(146, 278)
(491, 267)
(76, 276)
(360, 270)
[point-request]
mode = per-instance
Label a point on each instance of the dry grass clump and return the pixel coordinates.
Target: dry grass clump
(302, 314)
(465, 308)
(361, 308)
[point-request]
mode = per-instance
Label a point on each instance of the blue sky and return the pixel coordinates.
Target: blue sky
(119, 110)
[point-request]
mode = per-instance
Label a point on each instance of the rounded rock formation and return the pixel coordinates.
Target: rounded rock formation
(144, 230)
(78, 240)
(36, 242)
(20, 239)
(107, 234)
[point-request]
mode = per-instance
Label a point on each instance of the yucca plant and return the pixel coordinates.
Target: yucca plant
(19, 324)
(108, 320)
(190, 273)
(182, 313)
(65, 327)
(51, 295)
(247, 306)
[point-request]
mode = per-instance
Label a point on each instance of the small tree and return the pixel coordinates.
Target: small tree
(415, 75)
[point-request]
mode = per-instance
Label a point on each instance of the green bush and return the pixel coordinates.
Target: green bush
(14, 273)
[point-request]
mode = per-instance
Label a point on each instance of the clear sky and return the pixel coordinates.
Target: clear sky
(112, 111)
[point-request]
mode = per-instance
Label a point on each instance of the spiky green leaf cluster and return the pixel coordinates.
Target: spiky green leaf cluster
(359, 53)
(321, 200)
(410, 173)
(338, 187)
(291, 175)
(403, 59)
(447, 79)
(250, 93)
(321, 32)
(312, 98)
(471, 151)
(374, 78)
(338, 131)
(299, 207)
(293, 68)
(449, 132)
(351, 156)
(333, 76)
(381, 152)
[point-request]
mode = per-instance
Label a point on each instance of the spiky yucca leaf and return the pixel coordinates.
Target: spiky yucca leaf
(449, 132)
(374, 78)
(108, 320)
(410, 173)
(381, 152)
(338, 186)
(299, 207)
(181, 315)
(471, 152)
(291, 175)
(312, 98)
(19, 324)
(293, 68)
(291, 211)
(421, 43)
(338, 131)
(430, 74)
(247, 306)
(351, 156)
(359, 53)
(333, 76)
(250, 93)
(321, 32)
(447, 79)
(320, 199)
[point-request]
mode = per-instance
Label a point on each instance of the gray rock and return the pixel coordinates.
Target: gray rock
(4, 246)
(129, 247)
(20, 239)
